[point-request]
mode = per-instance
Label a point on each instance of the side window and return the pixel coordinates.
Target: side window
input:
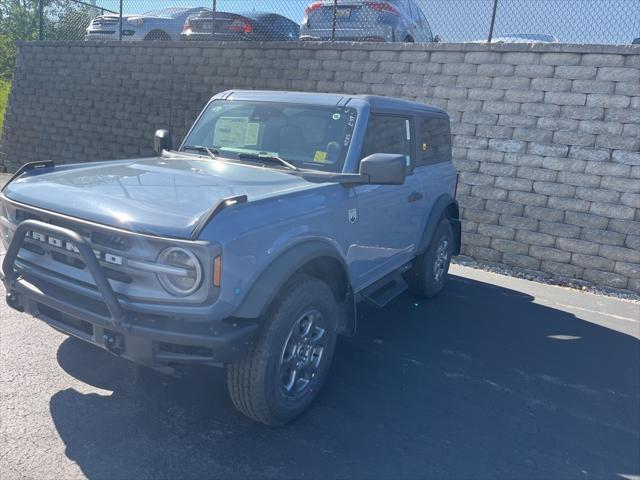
(388, 134)
(434, 141)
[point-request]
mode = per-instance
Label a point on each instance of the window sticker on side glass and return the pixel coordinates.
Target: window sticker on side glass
(232, 132)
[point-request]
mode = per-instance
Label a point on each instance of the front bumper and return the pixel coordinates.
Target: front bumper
(155, 340)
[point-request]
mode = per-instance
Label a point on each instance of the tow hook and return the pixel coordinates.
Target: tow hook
(114, 342)
(14, 302)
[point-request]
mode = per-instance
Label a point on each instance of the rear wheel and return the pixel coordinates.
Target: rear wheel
(429, 272)
(157, 36)
(408, 39)
(284, 370)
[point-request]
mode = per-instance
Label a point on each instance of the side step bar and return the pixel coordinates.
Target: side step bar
(382, 292)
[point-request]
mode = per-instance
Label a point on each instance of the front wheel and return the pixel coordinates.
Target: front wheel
(429, 272)
(284, 370)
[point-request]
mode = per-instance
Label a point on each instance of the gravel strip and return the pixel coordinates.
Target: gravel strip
(573, 284)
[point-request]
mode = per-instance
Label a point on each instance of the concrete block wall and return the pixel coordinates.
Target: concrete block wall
(546, 137)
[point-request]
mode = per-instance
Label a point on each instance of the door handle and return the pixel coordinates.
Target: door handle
(415, 196)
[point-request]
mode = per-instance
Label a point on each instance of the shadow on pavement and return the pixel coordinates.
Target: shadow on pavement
(467, 385)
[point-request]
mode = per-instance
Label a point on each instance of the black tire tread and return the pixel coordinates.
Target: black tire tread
(417, 277)
(245, 377)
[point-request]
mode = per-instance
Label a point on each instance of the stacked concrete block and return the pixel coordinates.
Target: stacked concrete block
(546, 137)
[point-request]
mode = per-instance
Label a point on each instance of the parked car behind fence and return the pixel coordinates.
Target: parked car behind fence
(162, 24)
(358, 20)
(258, 26)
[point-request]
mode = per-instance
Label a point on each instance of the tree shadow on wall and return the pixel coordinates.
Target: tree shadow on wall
(473, 384)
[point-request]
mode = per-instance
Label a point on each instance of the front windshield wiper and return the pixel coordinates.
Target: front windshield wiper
(271, 158)
(213, 153)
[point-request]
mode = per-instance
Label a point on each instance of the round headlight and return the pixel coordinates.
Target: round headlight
(183, 274)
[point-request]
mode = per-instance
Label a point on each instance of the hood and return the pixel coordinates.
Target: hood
(160, 196)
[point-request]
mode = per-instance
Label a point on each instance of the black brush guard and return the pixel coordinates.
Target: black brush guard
(13, 280)
(144, 341)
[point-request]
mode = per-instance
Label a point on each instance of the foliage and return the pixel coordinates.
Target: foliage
(19, 20)
(4, 96)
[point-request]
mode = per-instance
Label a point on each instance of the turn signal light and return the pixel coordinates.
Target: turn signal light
(217, 271)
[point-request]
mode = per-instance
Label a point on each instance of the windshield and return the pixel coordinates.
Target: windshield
(171, 12)
(307, 136)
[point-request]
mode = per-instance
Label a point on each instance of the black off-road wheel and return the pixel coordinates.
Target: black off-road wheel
(283, 371)
(429, 273)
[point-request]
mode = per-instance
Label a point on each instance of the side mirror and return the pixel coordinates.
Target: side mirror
(384, 168)
(161, 141)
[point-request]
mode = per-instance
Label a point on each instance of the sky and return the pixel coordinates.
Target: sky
(571, 21)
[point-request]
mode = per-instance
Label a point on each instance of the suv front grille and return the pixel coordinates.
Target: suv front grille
(62, 255)
(100, 22)
(116, 242)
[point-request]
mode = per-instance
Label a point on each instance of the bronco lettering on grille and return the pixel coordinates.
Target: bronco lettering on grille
(70, 247)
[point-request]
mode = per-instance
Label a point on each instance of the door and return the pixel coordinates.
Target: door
(387, 223)
(433, 158)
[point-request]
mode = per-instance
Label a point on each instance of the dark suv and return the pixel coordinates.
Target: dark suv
(362, 20)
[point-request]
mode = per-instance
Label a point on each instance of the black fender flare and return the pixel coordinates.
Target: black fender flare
(269, 283)
(442, 204)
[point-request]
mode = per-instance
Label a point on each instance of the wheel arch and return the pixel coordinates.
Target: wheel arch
(316, 258)
(157, 32)
(444, 207)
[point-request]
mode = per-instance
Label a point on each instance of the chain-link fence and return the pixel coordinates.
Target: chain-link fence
(569, 21)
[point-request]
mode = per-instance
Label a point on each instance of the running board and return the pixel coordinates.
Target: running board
(385, 290)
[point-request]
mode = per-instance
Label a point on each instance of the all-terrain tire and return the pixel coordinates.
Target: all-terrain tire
(255, 383)
(429, 273)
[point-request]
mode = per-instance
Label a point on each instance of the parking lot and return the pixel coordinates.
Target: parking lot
(497, 377)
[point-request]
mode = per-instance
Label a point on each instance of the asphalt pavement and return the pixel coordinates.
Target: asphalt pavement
(498, 377)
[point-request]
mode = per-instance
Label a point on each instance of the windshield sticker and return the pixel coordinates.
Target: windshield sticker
(336, 116)
(230, 131)
(347, 139)
(320, 156)
(252, 133)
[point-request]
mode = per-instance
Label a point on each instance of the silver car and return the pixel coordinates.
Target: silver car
(162, 24)
(363, 20)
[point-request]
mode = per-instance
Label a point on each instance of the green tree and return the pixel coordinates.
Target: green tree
(19, 20)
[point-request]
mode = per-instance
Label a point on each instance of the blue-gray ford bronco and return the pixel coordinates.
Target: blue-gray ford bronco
(248, 247)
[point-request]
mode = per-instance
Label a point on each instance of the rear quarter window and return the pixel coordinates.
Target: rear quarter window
(434, 140)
